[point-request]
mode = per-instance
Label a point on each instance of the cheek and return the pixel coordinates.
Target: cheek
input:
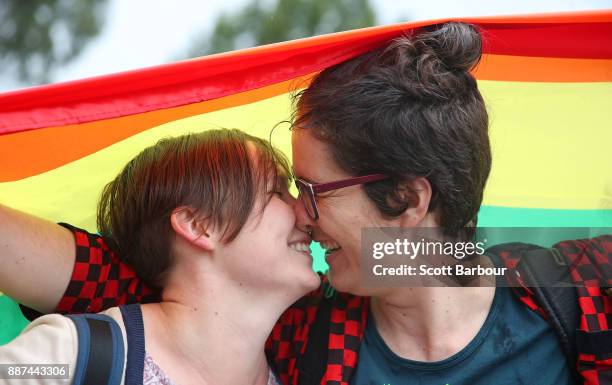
(279, 217)
(346, 212)
(333, 219)
(344, 219)
(336, 210)
(342, 224)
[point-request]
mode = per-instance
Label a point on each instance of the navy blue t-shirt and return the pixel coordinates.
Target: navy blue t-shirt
(514, 346)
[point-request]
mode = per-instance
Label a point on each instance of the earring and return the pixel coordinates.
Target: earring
(309, 230)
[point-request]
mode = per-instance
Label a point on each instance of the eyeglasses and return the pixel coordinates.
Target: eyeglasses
(309, 191)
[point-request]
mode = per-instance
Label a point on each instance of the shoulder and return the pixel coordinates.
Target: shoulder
(50, 339)
(115, 314)
(45, 333)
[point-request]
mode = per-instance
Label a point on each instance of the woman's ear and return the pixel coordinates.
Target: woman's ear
(186, 225)
(418, 192)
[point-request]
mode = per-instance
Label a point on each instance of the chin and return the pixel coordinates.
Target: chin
(343, 281)
(314, 281)
(308, 281)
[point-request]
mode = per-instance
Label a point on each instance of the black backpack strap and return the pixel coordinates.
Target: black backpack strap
(101, 352)
(547, 274)
(313, 364)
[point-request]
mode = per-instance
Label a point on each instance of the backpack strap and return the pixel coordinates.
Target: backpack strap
(547, 273)
(100, 350)
(313, 363)
(546, 276)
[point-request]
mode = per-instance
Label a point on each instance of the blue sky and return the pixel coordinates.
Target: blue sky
(142, 33)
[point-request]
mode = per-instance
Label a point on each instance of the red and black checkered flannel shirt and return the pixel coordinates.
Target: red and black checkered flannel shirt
(100, 280)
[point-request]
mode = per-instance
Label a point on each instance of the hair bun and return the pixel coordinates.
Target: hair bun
(457, 45)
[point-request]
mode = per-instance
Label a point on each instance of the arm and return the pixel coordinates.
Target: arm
(36, 259)
(51, 339)
(100, 279)
(63, 268)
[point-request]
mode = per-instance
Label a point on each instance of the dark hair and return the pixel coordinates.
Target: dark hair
(213, 172)
(410, 109)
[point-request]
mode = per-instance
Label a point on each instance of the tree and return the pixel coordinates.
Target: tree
(263, 23)
(36, 36)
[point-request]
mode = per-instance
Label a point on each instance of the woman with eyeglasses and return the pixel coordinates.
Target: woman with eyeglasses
(398, 138)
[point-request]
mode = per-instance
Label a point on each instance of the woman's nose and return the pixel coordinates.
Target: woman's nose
(304, 222)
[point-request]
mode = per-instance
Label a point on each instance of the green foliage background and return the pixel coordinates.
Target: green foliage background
(261, 23)
(37, 36)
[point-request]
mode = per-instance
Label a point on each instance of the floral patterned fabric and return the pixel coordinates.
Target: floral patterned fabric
(154, 375)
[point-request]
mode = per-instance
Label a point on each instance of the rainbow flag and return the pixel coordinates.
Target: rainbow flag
(547, 81)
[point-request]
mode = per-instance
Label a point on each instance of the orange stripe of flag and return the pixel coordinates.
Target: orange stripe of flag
(543, 69)
(33, 152)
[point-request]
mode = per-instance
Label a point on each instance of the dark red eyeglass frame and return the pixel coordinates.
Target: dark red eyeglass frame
(311, 190)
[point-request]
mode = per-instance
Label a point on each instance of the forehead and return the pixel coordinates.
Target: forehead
(312, 158)
(257, 156)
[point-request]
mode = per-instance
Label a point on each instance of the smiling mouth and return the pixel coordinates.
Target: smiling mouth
(330, 247)
(301, 247)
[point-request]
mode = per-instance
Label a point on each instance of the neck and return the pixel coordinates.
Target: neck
(213, 326)
(431, 323)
